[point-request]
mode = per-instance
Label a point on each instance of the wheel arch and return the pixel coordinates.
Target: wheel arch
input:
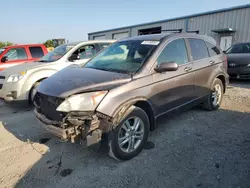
(34, 77)
(146, 106)
(223, 80)
(127, 107)
(33, 85)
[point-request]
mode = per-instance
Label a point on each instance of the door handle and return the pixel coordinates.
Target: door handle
(212, 62)
(187, 69)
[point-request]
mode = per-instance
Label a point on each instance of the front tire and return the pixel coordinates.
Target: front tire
(214, 99)
(129, 137)
(32, 93)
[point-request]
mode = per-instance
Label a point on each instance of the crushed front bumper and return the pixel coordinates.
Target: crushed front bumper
(50, 126)
(88, 131)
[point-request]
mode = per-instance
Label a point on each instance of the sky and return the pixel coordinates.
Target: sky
(32, 21)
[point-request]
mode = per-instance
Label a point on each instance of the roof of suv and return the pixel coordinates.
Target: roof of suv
(163, 35)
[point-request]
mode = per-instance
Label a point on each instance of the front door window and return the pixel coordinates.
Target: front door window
(16, 54)
(175, 51)
(86, 52)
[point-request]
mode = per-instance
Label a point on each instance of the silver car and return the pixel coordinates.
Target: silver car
(18, 83)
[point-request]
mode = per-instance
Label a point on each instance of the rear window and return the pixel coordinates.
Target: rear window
(198, 49)
(36, 52)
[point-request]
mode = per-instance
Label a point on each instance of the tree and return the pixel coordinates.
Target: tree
(49, 43)
(3, 44)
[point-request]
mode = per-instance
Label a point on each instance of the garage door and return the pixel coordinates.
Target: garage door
(118, 36)
(102, 37)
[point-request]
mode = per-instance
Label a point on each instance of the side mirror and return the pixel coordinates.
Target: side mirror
(74, 57)
(4, 59)
(166, 66)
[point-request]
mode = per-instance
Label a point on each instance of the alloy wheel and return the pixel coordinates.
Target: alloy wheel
(216, 95)
(131, 134)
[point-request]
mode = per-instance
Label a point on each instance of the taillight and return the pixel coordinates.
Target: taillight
(225, 61)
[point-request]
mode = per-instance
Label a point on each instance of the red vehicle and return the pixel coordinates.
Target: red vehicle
(17, 54)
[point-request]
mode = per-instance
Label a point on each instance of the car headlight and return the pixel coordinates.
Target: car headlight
(82, 102)
(16, 77)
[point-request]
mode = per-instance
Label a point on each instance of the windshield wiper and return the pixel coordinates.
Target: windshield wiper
(111, 70)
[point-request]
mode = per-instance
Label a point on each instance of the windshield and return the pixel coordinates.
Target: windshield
(239, 48)
(2, 50)
(123, 56)
(56, 54)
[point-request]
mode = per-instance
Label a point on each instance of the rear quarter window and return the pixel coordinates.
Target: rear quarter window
(36, 51)
(213, 50)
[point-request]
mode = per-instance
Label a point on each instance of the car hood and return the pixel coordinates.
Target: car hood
(75, 79)
(22, 67)
(242, 58)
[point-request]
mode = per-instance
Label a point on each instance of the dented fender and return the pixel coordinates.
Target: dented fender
(123, 110)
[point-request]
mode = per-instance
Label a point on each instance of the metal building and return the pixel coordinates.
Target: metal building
(227, 26)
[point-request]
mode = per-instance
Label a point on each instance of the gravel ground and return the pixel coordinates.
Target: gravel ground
(192, 149)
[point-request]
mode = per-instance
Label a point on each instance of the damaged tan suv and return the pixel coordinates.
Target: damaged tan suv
(115, 99)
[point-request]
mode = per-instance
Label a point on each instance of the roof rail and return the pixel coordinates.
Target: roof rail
(195, 31)
(173, 30)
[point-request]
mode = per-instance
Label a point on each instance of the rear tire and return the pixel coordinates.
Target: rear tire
(129, 137)
(214, 99)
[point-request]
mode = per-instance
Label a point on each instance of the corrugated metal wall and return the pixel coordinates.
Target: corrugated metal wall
(235, 19)
(238, 19)
(108, 35)
(175, 24)
(164, 25)
(133, 31)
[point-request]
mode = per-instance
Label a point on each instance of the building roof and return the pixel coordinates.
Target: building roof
(177, 18)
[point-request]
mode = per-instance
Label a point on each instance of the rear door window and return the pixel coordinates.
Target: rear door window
(198, 49)
(213, 50)
(36, 52)
(16, 54)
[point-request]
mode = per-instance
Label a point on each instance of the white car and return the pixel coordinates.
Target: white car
(18, 83)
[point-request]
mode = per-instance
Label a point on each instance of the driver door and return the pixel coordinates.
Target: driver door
(173, 89)
(14, 56)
